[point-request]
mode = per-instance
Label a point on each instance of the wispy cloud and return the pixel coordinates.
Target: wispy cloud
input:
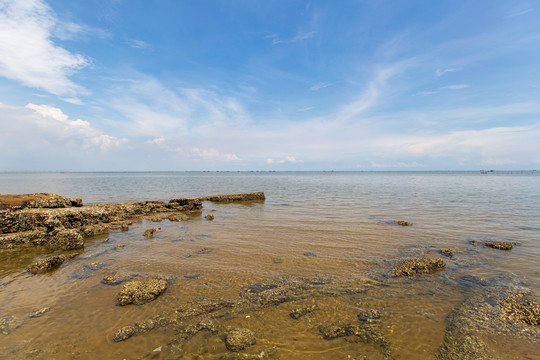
(319, 86)
(299, 37)
(140, 44)
(440, 73)
(456, 86)
(28, 54)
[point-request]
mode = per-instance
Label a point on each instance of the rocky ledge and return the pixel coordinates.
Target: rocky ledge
(59, 222)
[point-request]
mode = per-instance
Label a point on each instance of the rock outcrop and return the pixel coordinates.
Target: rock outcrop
(62, 223)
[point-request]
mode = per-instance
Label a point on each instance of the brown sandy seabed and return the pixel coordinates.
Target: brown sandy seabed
(241, 247)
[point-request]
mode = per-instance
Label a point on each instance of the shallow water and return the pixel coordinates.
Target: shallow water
(343, 218)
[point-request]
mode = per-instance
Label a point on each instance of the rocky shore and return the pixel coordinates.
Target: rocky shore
(58, 222)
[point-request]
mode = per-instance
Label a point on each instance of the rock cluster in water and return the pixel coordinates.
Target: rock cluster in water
(59, 222)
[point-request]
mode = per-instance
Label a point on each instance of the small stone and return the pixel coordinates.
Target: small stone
(150, 232)
(371, 315)
(124, 227)
(40, 312)
(115, 278)
(203, 251)
(277, 260)
(209, 217)
(310, 254)
(192, 275)
(124, 333)
(501, 245)
(156, 219)
(47, 264)
(240, 339)
(140, 292)
(449, 252)
(298, 313)
(178, 217)
(402, 223)
(412, 267)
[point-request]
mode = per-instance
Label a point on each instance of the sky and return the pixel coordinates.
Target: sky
(172, 85)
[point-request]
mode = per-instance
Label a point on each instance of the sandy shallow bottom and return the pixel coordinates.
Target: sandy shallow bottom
(249, 244)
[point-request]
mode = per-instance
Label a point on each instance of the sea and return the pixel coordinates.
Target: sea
(334, 233)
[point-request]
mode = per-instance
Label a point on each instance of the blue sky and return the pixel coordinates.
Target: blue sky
(269, 85)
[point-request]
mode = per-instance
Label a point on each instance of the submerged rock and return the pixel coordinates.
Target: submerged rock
(419, 266)
(449, 252)
(501, 245)
(298, 313)
(140, 292)
(402, 223)
(9, 323)
(209, 217)
(49, 263)
(116, 278)
(310, 254)
(240, 339)
(124, 333)
(40, 312)
(150, 232)
(371, 315)
(520, 307)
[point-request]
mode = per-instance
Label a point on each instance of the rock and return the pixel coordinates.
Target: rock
(178, 217)
(40, 312)
(203, 251)
(419, 266)
(298, 313)
(310, 254)
(520, 307)
(140, 292)
(501, 245)
(402, 223)
(124, 227)
(371, 315)
(9, 323)
(192, 275)
(209, 217)
(156, 219)
(240, 339)
(150, 232)
(254, 196)
(116, 278)
(66, 240)
(42, 200)
(124, 333)
(48, 264)
(449, 252)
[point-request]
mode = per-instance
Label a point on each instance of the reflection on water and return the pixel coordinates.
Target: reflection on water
(339, 219)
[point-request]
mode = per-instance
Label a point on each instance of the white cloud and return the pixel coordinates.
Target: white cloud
(298, 37)
(214, 155)
(139, 44)
(440, 73)
(56, 125)
(306, 108)
(287, 159)
(27, 52)
(456, 86)
(319, 86)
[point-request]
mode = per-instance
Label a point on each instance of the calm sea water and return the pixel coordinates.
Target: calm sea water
(341, 217)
